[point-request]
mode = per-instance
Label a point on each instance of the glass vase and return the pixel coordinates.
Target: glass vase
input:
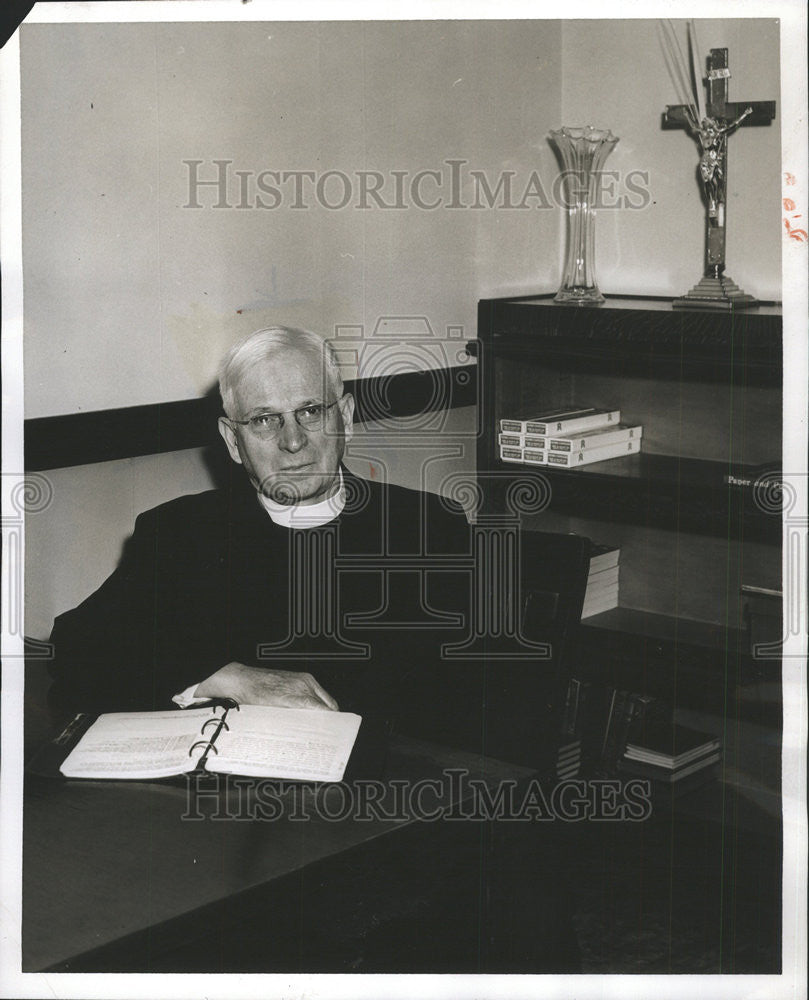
(583, 152)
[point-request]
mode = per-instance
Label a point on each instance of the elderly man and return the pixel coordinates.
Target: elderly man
(248, 592)
(301, 585)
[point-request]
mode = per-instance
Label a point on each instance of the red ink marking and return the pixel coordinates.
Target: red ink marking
(789, 178)
(799, 235)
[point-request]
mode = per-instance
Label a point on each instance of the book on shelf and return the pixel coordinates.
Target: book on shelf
(510, 454)
(667, 745)
(768, 596)
(251, 740)
(605, 716)
(665, 775)
(666, 763)
(599, 437)
(625, 711)
(605, 599)
(603, 589)
(673, 758)
(766, 602)
(603, 557)
(576, 459)
(603, 578)
(567, 420)
(667, 792)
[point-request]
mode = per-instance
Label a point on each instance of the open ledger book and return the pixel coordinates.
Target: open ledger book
(246, 739)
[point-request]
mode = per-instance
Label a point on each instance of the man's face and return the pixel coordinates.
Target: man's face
(297, 464)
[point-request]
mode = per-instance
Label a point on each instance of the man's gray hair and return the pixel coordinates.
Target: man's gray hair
(261, 345)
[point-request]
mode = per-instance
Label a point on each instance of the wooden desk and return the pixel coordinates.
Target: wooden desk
(116, 879)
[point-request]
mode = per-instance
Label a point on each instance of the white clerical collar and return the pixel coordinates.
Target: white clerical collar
(306, 515)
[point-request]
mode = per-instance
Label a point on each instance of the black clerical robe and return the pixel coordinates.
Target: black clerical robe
(362, 602)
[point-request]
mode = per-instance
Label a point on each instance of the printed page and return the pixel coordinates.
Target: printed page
(141, 744)
(285, 743)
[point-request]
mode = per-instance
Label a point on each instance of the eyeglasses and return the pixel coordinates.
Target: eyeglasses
(311, 417)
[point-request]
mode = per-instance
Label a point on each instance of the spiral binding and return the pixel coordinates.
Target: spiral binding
(216, 722)
(220, 723)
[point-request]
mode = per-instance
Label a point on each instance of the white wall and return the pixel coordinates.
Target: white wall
(614, 76)
(132, 298)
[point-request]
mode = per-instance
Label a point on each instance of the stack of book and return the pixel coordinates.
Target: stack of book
(602, 581)
(670, 755)
(568, 438)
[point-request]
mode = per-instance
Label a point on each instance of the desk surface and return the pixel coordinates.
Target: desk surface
(104, 861)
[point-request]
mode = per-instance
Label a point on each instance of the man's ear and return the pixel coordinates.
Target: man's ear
(346, 405)
(230, 439)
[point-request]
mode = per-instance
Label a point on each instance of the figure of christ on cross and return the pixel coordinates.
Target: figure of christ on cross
(723, 117)
(713, 139)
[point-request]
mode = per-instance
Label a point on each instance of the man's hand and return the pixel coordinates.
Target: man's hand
(256, 686)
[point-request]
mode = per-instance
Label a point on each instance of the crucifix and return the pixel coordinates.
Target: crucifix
(715, 289)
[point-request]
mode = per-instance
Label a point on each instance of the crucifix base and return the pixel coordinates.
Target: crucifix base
(713, 292)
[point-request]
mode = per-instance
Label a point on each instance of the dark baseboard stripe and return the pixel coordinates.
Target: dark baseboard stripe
(107, 435)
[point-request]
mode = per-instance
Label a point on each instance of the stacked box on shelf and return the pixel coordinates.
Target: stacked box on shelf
(575, 459)
(597, 438)
(568, 438)
(567, 421)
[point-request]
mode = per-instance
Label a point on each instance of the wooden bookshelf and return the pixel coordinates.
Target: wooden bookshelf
(706, 386)
(667, 491)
